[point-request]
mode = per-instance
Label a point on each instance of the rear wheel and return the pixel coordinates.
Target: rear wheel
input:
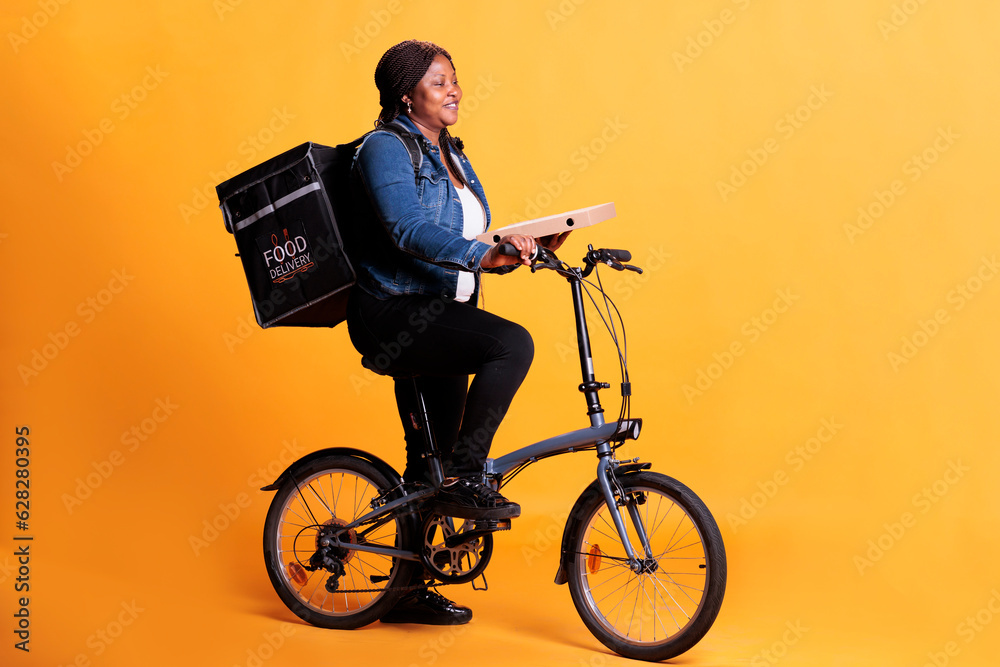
(662, 606)
(325, 584)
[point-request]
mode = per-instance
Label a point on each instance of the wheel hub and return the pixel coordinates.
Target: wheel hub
(331, 531)
(647, 566)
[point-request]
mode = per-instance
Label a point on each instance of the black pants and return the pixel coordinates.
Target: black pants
(444, 342)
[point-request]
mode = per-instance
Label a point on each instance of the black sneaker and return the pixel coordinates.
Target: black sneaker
(466, 498)
(429, 608)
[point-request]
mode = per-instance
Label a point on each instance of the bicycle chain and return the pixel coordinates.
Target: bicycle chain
(405, 589)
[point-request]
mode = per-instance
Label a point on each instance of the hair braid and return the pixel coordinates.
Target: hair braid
(447, 142)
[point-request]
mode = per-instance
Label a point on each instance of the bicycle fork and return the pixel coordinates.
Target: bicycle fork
(609, 485)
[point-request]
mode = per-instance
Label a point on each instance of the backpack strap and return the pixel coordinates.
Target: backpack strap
(410, 141)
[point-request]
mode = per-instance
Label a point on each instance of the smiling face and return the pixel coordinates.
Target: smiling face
(435, 99)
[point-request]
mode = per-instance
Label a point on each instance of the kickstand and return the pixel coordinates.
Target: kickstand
(485, 587)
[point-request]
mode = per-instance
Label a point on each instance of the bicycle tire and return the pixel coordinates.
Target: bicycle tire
(679, 601)
(335, 490)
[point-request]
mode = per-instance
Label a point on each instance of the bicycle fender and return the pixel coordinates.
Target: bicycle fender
(379, 464)
(575, 515)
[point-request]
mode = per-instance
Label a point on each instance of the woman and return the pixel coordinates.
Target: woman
(418, 283)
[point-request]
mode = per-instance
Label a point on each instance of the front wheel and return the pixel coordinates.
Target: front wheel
(335, 586)
(664, 603)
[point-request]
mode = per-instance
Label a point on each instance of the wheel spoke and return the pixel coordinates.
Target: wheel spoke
(291, 510)
(321, 499)
(673, 545)
(609, 580)
(613, 538)
(676, 604)
(358, 499)
(657, 525)
(666, 606)
(622, 601)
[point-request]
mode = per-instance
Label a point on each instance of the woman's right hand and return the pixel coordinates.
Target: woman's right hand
(525, 244)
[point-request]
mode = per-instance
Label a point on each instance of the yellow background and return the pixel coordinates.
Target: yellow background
(876, 549)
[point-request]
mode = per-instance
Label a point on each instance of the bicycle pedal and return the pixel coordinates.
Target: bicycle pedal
(480, 528)
(492, 525)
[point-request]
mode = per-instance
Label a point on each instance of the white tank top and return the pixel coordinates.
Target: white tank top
(474, 223)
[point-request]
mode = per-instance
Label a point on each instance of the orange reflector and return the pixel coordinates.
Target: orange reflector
(297, 573)
(594, 559)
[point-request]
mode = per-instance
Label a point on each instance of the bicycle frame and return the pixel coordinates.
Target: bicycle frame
(599, 436)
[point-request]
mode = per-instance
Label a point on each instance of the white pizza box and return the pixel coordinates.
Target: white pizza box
(553, 224)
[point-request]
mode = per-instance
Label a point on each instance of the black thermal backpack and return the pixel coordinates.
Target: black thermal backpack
(294, 219)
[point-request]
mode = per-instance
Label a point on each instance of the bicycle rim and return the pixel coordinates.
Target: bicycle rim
(648, 609)
(333, 497)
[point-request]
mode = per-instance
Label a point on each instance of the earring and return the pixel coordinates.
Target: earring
(409, 107)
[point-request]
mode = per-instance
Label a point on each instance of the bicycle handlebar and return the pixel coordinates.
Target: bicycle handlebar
(610, 256)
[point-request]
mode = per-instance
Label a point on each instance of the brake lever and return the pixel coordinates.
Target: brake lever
(544, 259)
(632, 267)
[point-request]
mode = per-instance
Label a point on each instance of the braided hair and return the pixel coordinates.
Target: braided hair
(398, 72)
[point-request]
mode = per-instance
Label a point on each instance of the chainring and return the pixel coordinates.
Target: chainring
(458, 564)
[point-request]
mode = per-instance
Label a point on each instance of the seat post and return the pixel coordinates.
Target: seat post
(431, 452)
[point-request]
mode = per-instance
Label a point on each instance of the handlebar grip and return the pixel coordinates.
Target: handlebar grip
(509, 250)
(620, 255)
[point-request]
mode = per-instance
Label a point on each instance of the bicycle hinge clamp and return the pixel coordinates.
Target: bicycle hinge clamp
(593, 386)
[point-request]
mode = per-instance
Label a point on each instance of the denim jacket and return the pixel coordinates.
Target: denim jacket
(413, 224)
